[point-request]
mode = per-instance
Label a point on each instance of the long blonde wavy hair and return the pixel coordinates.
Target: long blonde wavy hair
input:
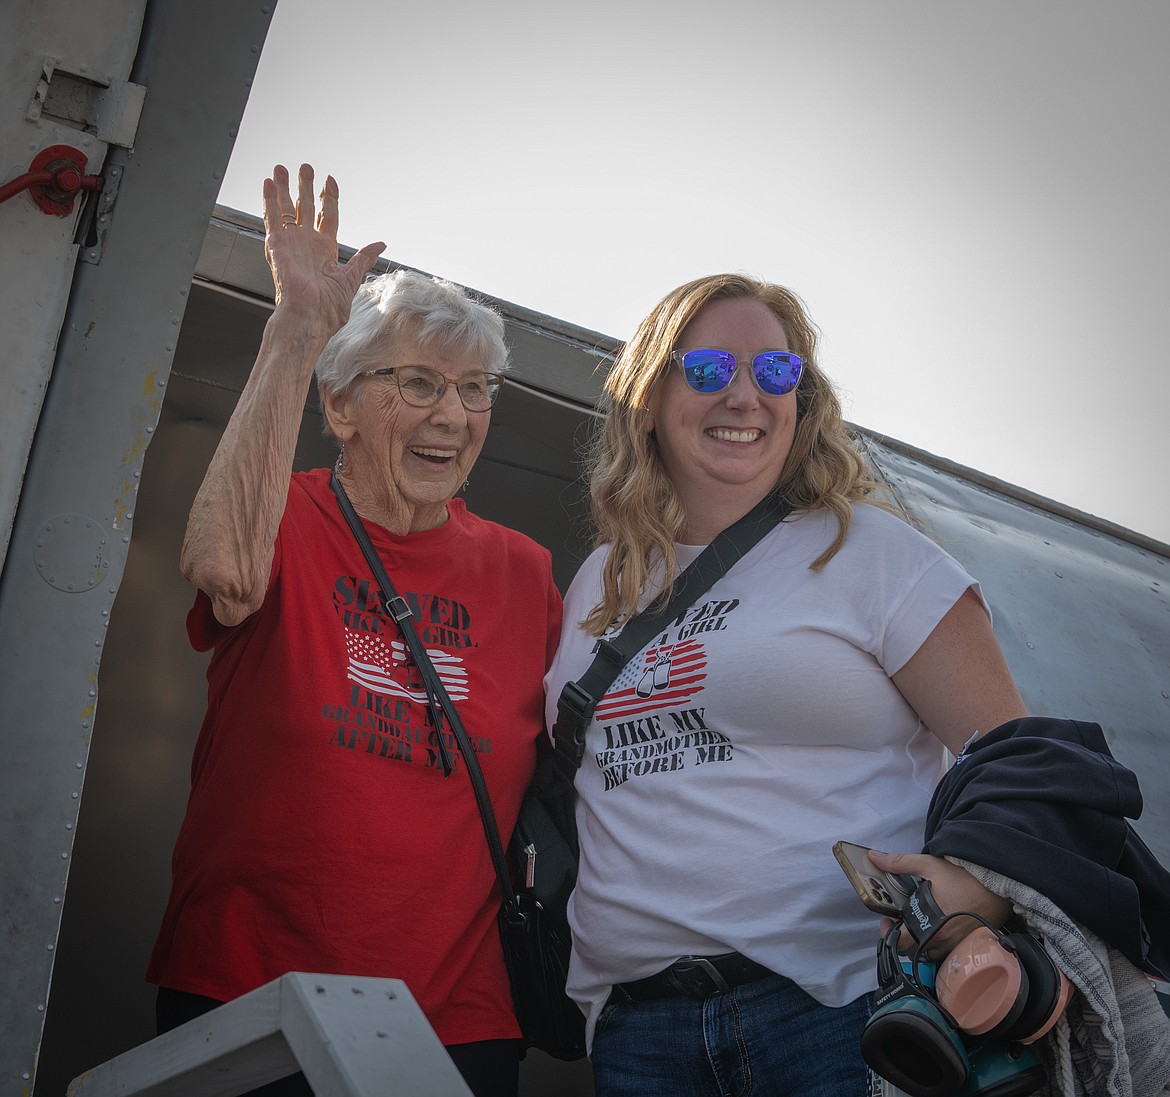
(636, 509)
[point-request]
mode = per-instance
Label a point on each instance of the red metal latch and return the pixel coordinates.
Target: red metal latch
(53, 180)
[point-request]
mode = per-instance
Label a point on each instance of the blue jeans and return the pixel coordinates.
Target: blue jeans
(767, 1038)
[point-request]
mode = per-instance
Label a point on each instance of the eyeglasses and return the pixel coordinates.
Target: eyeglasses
(423, 388)
(777, 372)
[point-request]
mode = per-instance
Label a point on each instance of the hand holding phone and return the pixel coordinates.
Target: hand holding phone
(883, 892)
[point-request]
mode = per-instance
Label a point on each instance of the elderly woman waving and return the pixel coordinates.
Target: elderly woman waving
(321, 832)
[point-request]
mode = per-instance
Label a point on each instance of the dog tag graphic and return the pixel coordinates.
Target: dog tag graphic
(656, 677)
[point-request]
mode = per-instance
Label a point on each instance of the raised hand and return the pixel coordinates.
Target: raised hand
(228, 549)
(301, 248)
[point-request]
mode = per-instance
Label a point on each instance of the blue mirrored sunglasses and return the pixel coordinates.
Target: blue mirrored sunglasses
(777, 372)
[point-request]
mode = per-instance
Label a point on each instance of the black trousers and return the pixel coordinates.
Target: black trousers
(491, 1068)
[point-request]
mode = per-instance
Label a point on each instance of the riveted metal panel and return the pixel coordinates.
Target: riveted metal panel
(1081, 608)
(47, 45)
(86, 442)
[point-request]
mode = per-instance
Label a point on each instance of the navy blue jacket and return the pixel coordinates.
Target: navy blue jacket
(1044, 802)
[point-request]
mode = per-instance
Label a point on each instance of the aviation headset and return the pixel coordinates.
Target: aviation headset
(960, 1030)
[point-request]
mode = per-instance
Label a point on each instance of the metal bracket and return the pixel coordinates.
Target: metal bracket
(350, 1036)
(94, 223)
(110, 111)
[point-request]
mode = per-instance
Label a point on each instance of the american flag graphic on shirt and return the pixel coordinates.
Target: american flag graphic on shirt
(662, 676)
(387, 668)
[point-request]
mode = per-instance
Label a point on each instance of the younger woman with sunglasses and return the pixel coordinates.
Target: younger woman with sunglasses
(808, 697)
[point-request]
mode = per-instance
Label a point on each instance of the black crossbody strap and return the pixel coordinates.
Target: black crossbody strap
(578, 699)
(438, 699)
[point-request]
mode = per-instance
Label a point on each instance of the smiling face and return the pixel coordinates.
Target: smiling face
(403, 464)
(724, 451)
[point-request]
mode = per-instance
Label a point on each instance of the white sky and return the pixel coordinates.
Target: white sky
(971, 197)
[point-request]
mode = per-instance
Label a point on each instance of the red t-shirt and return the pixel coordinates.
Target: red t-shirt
(320, 833)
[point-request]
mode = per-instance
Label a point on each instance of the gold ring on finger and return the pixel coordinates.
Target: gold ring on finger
(289, 219)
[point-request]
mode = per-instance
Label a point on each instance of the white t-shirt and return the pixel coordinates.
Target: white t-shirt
(740, 744)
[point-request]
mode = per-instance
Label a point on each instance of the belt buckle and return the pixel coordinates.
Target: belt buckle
(697, 977)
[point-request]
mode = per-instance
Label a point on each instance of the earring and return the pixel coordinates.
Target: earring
(466, 484)
(340, 460)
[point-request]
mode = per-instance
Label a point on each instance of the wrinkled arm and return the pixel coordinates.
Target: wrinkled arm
(231, 531)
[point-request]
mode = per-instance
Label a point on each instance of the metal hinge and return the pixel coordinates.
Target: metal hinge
(108, 109)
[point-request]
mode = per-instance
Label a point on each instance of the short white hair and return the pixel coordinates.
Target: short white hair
(407, 305)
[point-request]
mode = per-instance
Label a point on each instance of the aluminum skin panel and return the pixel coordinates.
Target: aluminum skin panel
(1083, 614)
(39, 251)
(99, 413)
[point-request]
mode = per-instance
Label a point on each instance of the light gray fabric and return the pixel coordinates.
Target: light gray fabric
(1114, 1038)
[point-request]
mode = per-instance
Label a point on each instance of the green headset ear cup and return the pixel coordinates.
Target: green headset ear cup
(1002, 1069)
(910, 1043)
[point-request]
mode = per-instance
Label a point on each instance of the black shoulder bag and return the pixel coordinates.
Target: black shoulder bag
(545, 841)
(533, 923)
(536, 946)
(578, 699)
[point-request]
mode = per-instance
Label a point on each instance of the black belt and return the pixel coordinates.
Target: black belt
(693, 977)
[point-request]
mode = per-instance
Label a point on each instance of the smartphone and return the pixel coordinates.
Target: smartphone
(882, 892)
